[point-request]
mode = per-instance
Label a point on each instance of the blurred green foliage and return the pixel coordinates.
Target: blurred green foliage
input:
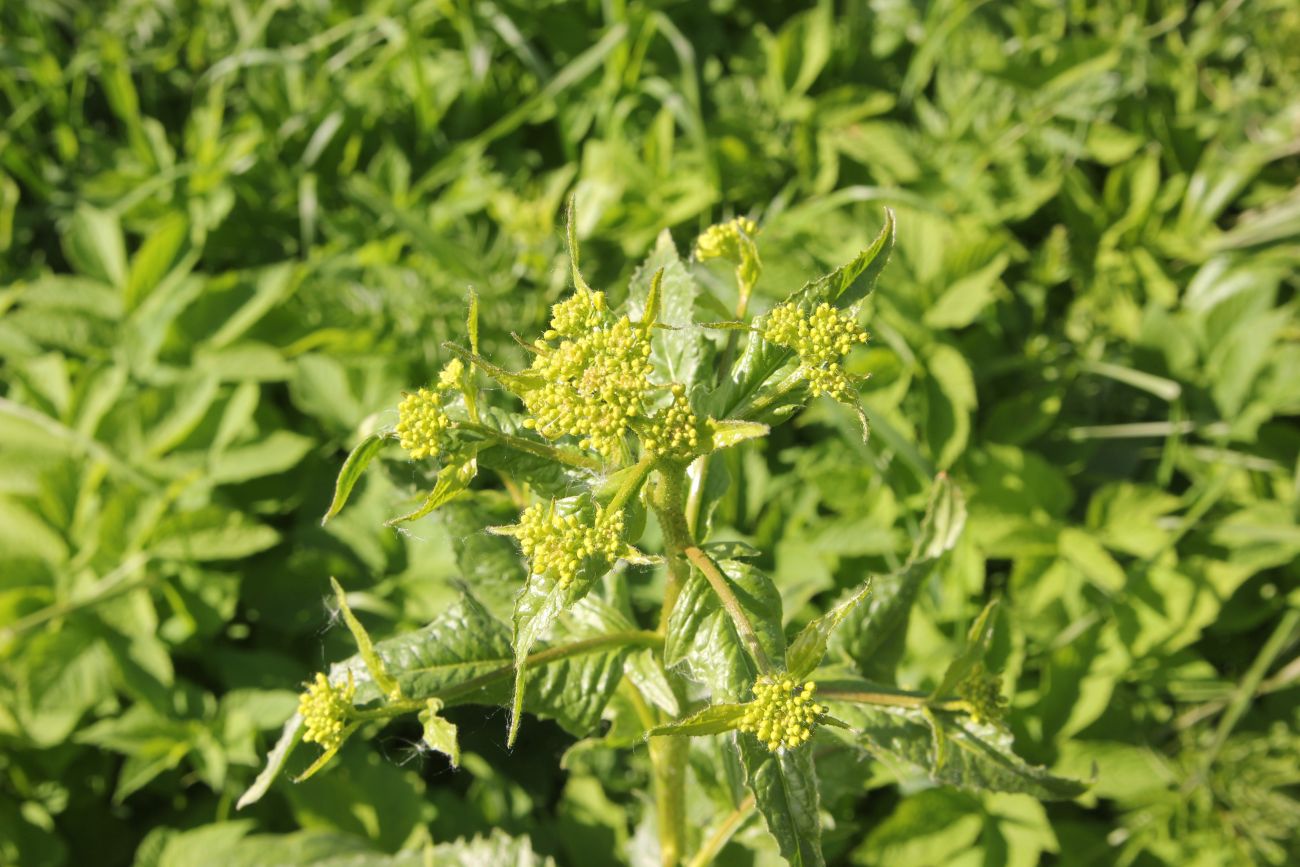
(232, 232)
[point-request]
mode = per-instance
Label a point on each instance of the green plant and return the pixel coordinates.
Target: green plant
(627, 414)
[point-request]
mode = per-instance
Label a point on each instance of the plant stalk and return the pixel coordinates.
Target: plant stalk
(722, 587)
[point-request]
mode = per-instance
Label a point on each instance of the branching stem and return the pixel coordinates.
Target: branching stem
(722, 587)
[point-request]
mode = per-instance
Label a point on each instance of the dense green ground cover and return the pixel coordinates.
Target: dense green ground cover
(231, 233)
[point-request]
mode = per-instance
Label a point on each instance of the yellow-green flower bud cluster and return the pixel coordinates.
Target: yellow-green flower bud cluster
(581, 312)
(421, 423)
(325, 709)
(593, 386)
(450, 375)
(723, 240)
(782, 714)
(675, 431)
(821, 339)
(982, 692)
(557, 545)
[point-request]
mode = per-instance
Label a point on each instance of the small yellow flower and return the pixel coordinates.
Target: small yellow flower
(325, 709)
(558, 545)
(821, 339)
(782, 714)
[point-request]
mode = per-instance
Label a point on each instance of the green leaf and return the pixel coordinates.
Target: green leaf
(157, 256)
(855, 280)
(210, 533)
(978, 638)
(461, 646)
(365, 647)
(809, 646)
(272, 287)
(94, 245)
(536, 609)
(882, 622)
(357, 461)
(978, 758)
(440, 734)
(289, 739)
(453, 479)
(712, 720)
(785, 791)
(702, 636)
(729, 432)
(677, 349)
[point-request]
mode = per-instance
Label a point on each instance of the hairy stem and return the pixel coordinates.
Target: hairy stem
(669, 505)
(722, 587)
(668, 755)
(632, 484)
(668, 759)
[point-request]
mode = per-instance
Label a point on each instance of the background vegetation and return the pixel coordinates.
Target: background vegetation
(232, 232)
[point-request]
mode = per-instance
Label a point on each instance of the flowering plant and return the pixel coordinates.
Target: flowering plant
(612, 449)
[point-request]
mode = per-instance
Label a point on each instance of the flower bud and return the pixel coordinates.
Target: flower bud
(782, 714)
(325, 709)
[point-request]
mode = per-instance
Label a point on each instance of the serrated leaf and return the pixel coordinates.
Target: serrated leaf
(536, 608)
(855, 280)
(978, 758)
(703, 637)
(357, 461)
(453, 480)
(785, 791)
(459, 647)
(712, 720)
(809, 646)
(882, 622)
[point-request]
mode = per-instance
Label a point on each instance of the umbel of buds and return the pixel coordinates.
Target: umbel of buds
(594, 383)
(557, 544)
(782, 714)
(421, 423)
(723, 240)
(325, 709)
(821, 339)
(675, 432)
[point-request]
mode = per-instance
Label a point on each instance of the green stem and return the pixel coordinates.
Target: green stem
(697, 473)
(643, 638)
(722, 587)
(631, 484)
(669, 502)
(668, 755)
(112, 585)
(893, 699)
(792, 381)
(709, 850)
(568, 457)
